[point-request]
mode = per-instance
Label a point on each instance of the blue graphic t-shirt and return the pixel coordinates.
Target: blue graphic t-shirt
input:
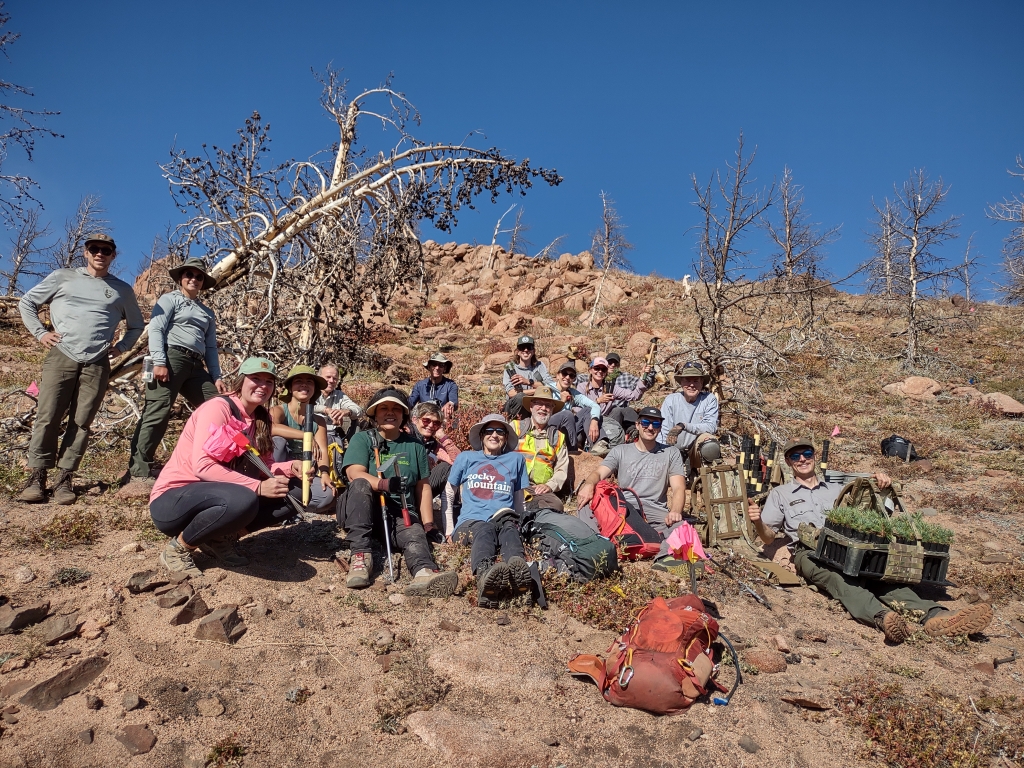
(488, 482)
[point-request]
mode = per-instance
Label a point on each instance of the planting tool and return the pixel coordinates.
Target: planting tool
(383, 502)
(823, 464)
(308, 430)
(744, 587)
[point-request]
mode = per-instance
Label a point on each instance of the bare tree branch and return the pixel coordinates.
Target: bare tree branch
(609, 247)
(1011, 210)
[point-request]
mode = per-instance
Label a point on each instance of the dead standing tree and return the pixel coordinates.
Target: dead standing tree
(1011, 210)
(609, 247)
(306, 251)
(887, 268)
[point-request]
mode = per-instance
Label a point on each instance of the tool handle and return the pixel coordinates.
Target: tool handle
(825, 446)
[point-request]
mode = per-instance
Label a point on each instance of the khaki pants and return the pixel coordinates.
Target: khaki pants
(72, 389)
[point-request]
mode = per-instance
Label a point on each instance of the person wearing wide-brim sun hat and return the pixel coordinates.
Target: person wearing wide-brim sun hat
(691, 415)
(183, 345)
(373, 495)
(492, 481)
(302, 387)
(437, 388)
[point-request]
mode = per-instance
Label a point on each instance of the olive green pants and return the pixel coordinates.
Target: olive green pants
(189, 378)
(72, 389)
(864, 599)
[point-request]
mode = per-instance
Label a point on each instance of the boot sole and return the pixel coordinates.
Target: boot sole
(31, 499)
(966, 622)
(522, 579)
(495, 585)
(895, 630)
(442, 584)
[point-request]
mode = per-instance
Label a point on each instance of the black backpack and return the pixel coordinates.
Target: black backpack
(899, 448)
(570, 546)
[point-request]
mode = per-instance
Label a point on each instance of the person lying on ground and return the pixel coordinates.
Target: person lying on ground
(492, 479)
(301, 388)
(183, 345)
(522, 376)
(372, 495)
(543, 447)
(612, 432)
(691, 415)
(807, 499)
(437, 388)
(648, 467)
(336, 406)
(205, 503)
(581, 418)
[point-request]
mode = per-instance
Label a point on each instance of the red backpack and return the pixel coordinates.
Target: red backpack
(662, 663)
(624, 523)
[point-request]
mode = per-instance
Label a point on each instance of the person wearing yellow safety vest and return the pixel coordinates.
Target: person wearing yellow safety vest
(544, 447)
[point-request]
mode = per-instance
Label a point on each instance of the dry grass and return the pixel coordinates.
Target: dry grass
(1003, 583)
(610, 603)
(410, 685)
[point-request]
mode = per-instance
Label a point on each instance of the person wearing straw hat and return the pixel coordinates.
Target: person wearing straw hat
(373, 497)
(183, 345)
(204, 500)
(437, 387)
(302, 387)
(691, 415)
(543, 446)
(492, 480)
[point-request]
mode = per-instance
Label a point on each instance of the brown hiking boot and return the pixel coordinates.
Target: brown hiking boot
(359, 569)
(34, 491)
(895, 627)
(972, 619)
(64, 491)
(431, 583)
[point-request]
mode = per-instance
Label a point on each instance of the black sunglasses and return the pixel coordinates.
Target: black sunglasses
(493, 431)
(650, 422)
(102, 250)
(188, 274)
(525, 348)
(807, 453)
(600, 368)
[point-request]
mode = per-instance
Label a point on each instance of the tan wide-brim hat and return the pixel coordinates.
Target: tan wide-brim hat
(511, 438)
(691, 370)
(544, 395)
(175, 272)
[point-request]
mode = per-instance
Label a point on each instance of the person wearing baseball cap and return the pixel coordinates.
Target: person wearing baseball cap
(208, 495)
(437, 388)
(691, 415)
(401, 488)
(522, 375)
(606, 394)
(183, 345)
(86, 306)
(581, 417)
(807, 499)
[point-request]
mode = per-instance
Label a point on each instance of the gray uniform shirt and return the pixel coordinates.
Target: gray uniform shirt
(85, 311)
(338, 401)
(791, 504)
(647, 473)
(178, 321)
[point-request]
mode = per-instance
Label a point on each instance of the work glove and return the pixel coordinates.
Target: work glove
(673, 434)
(389, 484)
(648, 379)
(434, 535)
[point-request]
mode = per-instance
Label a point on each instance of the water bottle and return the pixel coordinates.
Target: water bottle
(147, 368)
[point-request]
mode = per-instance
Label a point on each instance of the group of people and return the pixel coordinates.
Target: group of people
(403, 483)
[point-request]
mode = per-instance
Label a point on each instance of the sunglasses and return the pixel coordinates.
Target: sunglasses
(430, 422)
(493, 431)
(806, 453)
(102, 250)
(188, 274)
(600, 368)
(656, 423)
(525, 349)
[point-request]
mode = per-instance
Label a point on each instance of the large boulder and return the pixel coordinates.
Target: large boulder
(468, 314)
(611, 293)
(1002, 403)
(914, 387)
(638, 345)
(526, 298)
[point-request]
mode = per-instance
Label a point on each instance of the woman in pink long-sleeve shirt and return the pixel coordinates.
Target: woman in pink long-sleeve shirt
(203, 503)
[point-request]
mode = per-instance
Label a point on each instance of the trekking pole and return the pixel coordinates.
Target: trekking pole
(383, 502)
(308, 430)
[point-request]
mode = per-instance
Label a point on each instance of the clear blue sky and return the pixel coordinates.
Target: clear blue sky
(630, 98)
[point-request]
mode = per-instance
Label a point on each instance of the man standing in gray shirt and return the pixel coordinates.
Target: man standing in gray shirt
(86, 306)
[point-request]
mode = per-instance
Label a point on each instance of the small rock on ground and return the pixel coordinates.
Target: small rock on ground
(24, 575)
(137, 739)
(131, 701)
(210, 707)
(747, 744)
(85, 736)
(695, 733)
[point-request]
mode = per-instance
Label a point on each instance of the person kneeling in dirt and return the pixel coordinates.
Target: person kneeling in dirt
(205, 503)
(401, 490)
(492, 479)
(543, 447)
(648, 467)
(691, 415)
(807, 500)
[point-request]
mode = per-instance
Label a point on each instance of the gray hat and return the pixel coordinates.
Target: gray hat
(100, 237)
(437, 357)
(511, 438)
(197, 264)
(796, 443)
(690, 370)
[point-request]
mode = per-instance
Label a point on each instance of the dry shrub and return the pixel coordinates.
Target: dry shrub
(226, 752)
(65, 529)
(610, 603)
(360, 391)
(927, 731)
(630, 318)
(447, 315)
(468, 415)
(410, 685)
(1003, 583)
(494, 346)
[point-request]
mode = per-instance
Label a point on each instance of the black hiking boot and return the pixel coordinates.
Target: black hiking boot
(493, 584)
(522, 579)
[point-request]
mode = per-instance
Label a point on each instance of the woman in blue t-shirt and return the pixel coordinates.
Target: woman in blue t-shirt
(492, 479)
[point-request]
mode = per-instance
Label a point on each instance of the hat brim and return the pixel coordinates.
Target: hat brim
(447, 364)
(556, 405)
(208, 280)
(511, 438)
(371, 410)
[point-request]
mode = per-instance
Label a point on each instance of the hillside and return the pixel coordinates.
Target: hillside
(324, 676)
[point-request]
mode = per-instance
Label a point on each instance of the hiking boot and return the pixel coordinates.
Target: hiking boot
(34, 490)
(600, 448)
(225, 551)
(176, 559)
(359, 568)
(493, 583)
(966, 622)
(431, 583)
(64, 491)
(521, 578)
(894, 627)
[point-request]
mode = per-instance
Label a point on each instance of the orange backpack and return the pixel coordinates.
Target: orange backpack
(662, 663)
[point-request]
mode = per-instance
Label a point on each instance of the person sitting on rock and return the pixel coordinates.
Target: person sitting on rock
(807, 499)
(492, 480)
(205, 503)
(543, 447)
(303, 386)
(648, 467)
(437, 388)
(403, 488)
(612, 432)
(691, 415)
(522, 376)
(581, 418)
(427, 424)
(621, 410)
(337, 407)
